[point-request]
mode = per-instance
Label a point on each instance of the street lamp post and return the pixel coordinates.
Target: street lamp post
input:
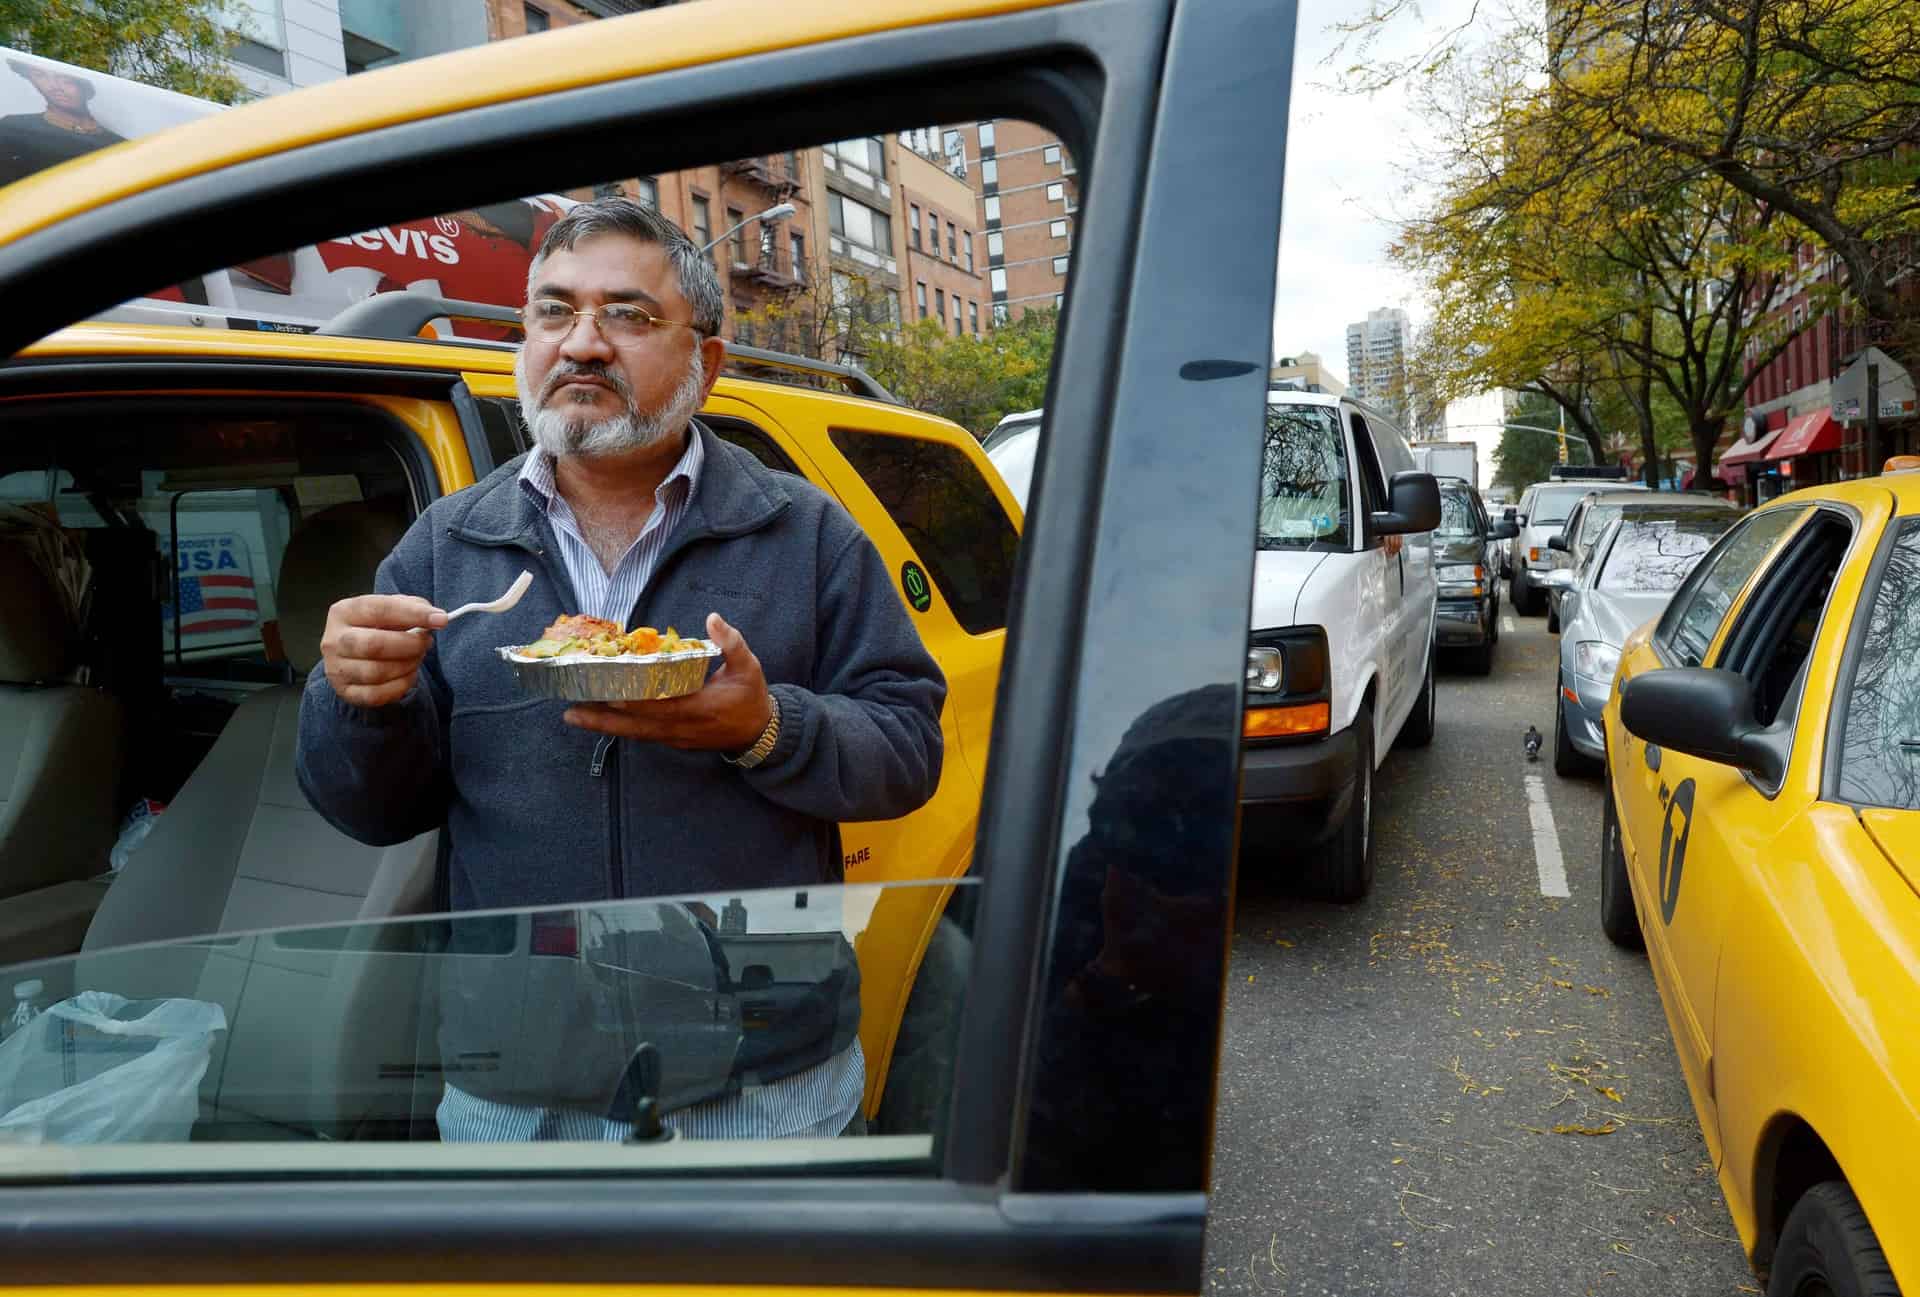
(778, 212)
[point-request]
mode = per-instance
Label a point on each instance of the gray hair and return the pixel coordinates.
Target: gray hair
(699, 281)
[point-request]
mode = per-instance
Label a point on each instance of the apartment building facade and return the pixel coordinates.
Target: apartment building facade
(1029, 192)
(1377, 349)
(941, 242)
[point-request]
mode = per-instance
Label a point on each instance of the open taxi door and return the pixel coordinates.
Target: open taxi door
(1072, 1153)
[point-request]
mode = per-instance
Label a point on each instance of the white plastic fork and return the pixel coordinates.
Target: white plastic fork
(504, 602)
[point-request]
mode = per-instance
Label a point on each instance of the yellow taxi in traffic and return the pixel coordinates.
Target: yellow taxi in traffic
(1761, 836)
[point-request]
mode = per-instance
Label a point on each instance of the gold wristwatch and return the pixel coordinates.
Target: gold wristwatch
(763, 746)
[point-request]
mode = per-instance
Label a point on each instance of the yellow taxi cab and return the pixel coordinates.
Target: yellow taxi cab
(300, 400)
(1761, 838)
(254, 1102)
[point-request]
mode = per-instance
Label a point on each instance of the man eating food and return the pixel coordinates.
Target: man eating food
(825, 706)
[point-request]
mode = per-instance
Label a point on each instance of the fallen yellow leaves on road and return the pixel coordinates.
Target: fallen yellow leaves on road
(1607, 1129)
(1600, 991)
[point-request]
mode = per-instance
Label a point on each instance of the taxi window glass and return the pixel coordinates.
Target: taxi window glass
(1303, 492)
(500, 420)
(1880, 748)
(1694, 624)
(948, 514)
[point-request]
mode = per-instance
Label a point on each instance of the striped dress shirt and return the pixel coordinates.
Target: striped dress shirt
(817, 1102)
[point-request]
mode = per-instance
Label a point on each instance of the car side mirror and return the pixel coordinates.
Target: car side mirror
(1560, 578)
(1558, 542)
(1512, 514)
(1705, 713)
(1413, 504)
(1504, 530)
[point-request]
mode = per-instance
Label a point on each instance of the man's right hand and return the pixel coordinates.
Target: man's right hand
(371, 649)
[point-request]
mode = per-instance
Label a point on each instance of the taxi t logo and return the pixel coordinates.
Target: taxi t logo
(1675, 828)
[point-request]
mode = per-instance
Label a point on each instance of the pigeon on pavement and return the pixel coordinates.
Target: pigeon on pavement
(1532, 743)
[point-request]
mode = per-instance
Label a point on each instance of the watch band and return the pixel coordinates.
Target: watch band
(763, 746)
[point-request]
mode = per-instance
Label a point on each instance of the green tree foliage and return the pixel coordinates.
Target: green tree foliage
(973, 381)
(175, 44)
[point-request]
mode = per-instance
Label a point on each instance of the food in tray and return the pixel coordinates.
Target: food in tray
(577, 633)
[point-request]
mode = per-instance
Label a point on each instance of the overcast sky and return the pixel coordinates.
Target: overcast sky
(1346, 180)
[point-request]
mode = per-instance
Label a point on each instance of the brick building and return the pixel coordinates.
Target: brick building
(940, 240)
(1029, 196)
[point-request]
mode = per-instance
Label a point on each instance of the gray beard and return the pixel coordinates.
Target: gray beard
(559, 432)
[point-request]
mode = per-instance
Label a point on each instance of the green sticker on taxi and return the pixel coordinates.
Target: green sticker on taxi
(913, 579)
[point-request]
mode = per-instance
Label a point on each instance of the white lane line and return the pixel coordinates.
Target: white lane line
(1506, 625)
(1546, 840)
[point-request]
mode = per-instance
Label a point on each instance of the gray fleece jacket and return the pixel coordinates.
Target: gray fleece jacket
(540, 813)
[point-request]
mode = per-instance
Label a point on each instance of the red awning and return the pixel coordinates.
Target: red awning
(1746, 452)
(1807, 435)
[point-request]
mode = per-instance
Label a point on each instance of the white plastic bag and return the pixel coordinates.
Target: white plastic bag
(103, 1069)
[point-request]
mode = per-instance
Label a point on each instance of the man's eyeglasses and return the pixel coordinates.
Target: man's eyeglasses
(621, 323)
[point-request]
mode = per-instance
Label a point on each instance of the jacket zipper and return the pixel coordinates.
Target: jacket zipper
(603, 752)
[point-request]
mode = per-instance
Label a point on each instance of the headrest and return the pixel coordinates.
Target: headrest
(37, 634)
(331, 556)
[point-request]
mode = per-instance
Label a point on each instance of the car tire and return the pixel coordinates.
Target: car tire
(1522, 597)
(1480, 657)
(1417, 732)
(1343, 872)
(1617, 916)
(920, 1077)
(1553, 618)
(1566, 758)
(1827, 1246)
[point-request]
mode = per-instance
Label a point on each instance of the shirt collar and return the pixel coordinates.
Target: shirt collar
(536, 472)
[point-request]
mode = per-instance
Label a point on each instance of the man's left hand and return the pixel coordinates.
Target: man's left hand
(728, 715)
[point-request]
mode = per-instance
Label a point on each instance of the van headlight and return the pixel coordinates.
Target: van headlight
(1595, 660)
(1266, 669)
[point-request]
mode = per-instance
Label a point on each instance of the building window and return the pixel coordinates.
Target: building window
(996, 244)
(768, 237)
(956, 150)
(966, 241)
(989, 171)
(1051, 155)
(953, 243)
(261, 37)
(1058, 229)
(860, 225)
(537, 20)
(933, 233)
(1056, 192)
(649, 191)
(957, 330)
(799, 258)
(986, 135)
(1059, 265)
(869, 154)
(992, 207)
(998, 279)
(913, 215)
(702, 223)
(736, 223)
(920, 297)
(1059, 300)
(999, 313)
(940, 305)
(973, 317)
(743, 332)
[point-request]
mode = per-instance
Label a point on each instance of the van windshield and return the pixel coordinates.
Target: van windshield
(1303, 487)
(1555, 504)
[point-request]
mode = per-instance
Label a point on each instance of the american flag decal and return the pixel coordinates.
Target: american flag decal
(215, 580)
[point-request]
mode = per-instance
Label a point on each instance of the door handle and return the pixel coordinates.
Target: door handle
(1651, 753)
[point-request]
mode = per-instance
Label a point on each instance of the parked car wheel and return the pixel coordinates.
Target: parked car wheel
(1418, 731)
(1827, 1246)
(1617, 917)
(1344, 870)
(1553, 618)
(1567, 760)
(1522, 597)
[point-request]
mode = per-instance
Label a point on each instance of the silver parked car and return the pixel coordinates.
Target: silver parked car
(1624, 581)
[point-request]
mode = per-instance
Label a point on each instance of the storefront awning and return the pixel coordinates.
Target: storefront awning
(1809, 434)
(1745, 452)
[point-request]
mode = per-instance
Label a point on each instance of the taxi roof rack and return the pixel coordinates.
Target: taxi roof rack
(401, 317)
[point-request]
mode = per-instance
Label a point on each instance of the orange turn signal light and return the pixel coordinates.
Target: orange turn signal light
(1286, 722)
(1901, 464)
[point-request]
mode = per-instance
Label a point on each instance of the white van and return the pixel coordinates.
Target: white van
(1340, 660)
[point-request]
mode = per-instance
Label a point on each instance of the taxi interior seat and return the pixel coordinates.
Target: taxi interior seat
(61, 746)
(239, 849)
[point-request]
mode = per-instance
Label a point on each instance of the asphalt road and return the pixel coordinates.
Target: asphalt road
(1459, 1086)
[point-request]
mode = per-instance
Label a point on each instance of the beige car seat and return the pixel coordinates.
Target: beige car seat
(239, 848)
(60, 743)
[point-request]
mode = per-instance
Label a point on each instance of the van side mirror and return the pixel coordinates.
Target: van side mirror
(1558, 542)
(1504, 529)
(1512, 514)
(1704, 713)
(1413, 505)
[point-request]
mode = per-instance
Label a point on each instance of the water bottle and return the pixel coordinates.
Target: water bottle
(26, 1006)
